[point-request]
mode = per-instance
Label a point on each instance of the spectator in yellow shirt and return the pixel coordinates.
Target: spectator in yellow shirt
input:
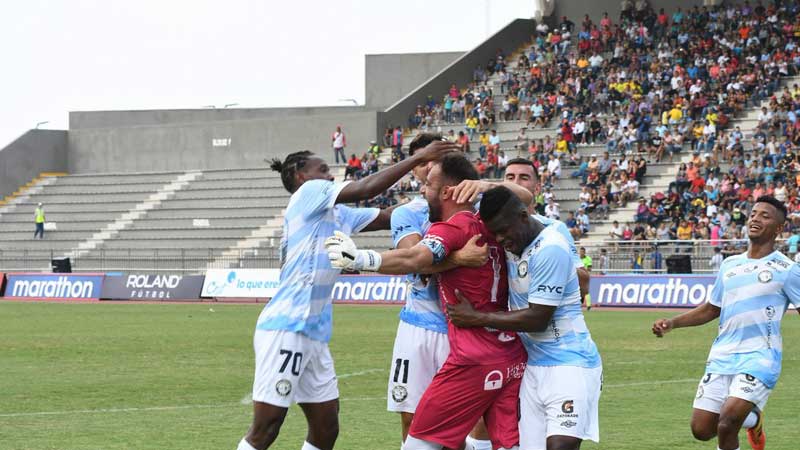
(582, 62)
(675, 115)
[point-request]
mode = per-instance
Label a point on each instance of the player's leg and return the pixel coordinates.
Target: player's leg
(711, 394)
(502, 416)
(279, 364)
(451, 406)
(571, 396)
(742, 409)
(318, 396)
(532, 413)
(478, 438)
(417, 356)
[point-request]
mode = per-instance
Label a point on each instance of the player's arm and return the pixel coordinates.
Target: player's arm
(383, 221)
(468, 190)
(376, 183)
(700, 315)
(532, 319)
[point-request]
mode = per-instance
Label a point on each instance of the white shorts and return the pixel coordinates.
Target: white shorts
(559, 401)
(418, 354)
(291, 368)
(714, 389)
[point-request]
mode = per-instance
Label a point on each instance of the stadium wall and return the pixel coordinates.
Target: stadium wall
(459, 71)
(389, 77)
(32, 153)
(196, 145)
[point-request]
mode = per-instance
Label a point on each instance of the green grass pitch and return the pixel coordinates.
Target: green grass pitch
(140, 376)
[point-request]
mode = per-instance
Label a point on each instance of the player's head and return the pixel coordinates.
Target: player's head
(443, 176)
(300, 167)
(766, 219)
(419, 142)
(522, 172)
(507, 218)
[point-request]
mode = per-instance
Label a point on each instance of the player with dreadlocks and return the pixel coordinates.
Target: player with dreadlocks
(293, 363)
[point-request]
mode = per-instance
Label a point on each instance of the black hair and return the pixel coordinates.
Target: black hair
(457, 168)
(524, 162)
(495, 200)
(774, 202)
(289, 167)
(422, 140)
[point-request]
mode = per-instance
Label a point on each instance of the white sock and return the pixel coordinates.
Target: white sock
(244, 445)
(751, 420)
(413, 443)
(479, 444)
(307, 446)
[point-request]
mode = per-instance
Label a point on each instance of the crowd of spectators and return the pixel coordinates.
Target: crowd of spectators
(650, 86)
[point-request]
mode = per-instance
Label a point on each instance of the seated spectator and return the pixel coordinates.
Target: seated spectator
(353, 169)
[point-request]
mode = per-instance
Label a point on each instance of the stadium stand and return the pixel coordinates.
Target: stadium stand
(730, 69)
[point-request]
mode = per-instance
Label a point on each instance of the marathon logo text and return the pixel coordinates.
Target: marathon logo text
(651, 291)
(368, 288)
(54, 286)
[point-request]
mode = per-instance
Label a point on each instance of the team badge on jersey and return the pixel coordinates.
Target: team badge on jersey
(770, 311)
(283, 387)
(765, 276)
(522, 269)
(399, 393)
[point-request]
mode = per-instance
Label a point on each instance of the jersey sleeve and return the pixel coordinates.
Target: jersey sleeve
(358, 218)
(318, 196)
(443, 238)
(550, 269)
(791, 287)
(718, 288)
(405, 223)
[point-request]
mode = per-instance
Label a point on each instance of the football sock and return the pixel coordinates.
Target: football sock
(307, 446)
(413, 443)
(244, 445)
(478, 444)
(751, 420)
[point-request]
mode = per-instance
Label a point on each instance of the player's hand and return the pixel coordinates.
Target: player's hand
(468, 190)
(462, 314)
(662, 327)
(342, 251)
(471, 254)
(436, 150)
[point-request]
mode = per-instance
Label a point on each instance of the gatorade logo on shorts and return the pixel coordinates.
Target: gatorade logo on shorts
(493, 381)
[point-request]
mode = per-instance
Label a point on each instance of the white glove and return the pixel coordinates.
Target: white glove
(343, 254)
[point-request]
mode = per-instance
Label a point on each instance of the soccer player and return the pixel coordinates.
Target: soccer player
(421, 346)
(293, 363)
(561, 387)
(750, 295)
(521, 171)
(481, 375)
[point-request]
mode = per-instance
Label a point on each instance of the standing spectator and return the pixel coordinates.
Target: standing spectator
(38, 217)
(657, 259)
(339, 142)
(604, 261)
(637, 262)
(716, 261)
(397, 143)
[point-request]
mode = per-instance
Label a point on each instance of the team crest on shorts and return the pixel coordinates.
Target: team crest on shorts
(522, 269)
(765, 276)
(399, 393)
(283, 387)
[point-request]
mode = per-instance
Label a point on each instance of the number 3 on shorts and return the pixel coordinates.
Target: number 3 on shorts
(296, 359)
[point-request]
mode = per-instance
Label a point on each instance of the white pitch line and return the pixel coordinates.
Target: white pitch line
(249, 400)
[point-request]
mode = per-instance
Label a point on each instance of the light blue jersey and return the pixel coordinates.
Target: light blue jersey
(545, 275)
(423, 308)
(562, 229)
(753, 295)
(303, 301)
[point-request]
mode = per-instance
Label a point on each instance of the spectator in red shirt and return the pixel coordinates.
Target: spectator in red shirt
(353, 168)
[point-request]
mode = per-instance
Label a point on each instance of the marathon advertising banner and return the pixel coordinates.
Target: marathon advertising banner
(53, 286)
(139, 286)
(241, 283)
(651, 291)
(370, 289)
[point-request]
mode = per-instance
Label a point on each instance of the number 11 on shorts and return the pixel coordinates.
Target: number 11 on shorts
(398, 363)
